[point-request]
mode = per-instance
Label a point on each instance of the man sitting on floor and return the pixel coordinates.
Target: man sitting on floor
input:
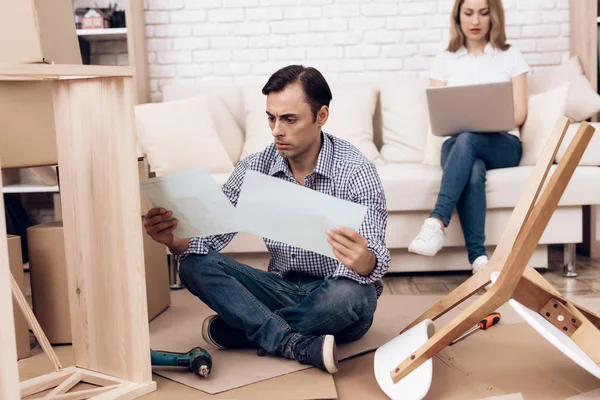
(306, 302)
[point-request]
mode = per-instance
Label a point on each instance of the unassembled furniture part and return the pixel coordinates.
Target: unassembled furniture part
(516, 280)
(97, 156)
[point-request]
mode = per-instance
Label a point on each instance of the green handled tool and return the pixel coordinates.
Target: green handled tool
(197, 360)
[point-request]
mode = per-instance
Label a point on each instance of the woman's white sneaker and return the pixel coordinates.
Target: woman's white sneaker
(430, 239)
(479, 263)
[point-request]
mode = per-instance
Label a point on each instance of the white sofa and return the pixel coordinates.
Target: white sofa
(406, 155)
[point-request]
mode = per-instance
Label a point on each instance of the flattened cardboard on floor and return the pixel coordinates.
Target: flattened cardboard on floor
(593, 395)
(15, 262)
(35, 31)
(508, 359)
(47, 265)
(302, 385)
(483, 367)
(180, 329)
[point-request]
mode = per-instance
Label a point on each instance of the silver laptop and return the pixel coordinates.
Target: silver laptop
(474, 108)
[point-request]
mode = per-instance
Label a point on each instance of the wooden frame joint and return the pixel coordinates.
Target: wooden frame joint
(558, 315)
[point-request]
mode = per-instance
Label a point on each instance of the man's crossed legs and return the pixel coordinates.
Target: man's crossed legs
(297, 318)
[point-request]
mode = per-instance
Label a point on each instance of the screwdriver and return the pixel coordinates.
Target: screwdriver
(485, 323)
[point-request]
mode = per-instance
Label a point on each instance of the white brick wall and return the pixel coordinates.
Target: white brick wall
(109, 52)
(240, 41)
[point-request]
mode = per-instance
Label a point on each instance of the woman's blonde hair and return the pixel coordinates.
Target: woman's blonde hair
(496, 36)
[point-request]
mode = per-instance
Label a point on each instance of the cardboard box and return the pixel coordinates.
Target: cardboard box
(15, 262)
(35, 31)
(47, 265)
(27, 115)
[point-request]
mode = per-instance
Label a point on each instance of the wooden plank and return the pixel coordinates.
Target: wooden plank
(98, 379)
(137, 48)
(34, 324)
(66, 385)
(102, 226)
(45, 382)
(60, 71)
(9, 377)
(84, 394)
(516, 263)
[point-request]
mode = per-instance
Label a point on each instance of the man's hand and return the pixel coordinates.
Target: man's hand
(350, 248)
(161, 230)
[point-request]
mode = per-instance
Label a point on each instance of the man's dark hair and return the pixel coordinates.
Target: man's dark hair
(313, 83)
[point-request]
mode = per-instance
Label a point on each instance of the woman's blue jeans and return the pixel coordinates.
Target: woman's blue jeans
(465, 159)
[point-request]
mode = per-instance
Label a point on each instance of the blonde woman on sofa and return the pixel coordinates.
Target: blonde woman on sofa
(477, 54)
(306, 302)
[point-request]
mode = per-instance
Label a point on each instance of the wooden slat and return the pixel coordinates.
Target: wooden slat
(45, 382)
(9, 378)
(516, 262)
(102, 228)
(60, 71)
(66, 385)
(34, 324)
(137, 48)
(85, 394)
(98, 379)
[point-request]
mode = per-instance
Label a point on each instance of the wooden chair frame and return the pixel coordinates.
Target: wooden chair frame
(517, 280)
(97, 156)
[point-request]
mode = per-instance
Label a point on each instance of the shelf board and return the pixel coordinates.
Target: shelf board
(103, 34)
(29, 188)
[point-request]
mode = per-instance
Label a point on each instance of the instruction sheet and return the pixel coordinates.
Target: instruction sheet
(268, 207)
(293, 214)
(195, 200)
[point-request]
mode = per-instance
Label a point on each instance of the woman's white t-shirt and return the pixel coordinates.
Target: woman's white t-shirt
(493, 65)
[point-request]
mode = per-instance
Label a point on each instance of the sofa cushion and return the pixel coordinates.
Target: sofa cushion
(405, 119)
(225, 107)
(543, 111)
(592, 153)
(351, 118)
(414, 187)
(180, 134)
(583, 101)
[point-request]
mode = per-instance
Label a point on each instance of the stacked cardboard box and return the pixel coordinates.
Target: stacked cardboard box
(41, 31)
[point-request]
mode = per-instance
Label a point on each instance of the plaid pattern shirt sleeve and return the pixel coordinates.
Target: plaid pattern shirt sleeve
(366, 189)
(231, 189)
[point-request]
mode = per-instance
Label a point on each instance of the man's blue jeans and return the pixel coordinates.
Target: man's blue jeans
(275, 312)
(465, 159)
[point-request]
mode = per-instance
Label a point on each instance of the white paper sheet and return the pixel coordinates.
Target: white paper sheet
(289, 213)
(195, 200)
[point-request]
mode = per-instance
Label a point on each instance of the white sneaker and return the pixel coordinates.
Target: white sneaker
(479, 263)
(430, 239)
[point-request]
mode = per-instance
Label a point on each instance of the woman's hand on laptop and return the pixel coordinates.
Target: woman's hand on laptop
(351, 249)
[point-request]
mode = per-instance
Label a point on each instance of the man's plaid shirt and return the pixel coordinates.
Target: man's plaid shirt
(341, 171)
